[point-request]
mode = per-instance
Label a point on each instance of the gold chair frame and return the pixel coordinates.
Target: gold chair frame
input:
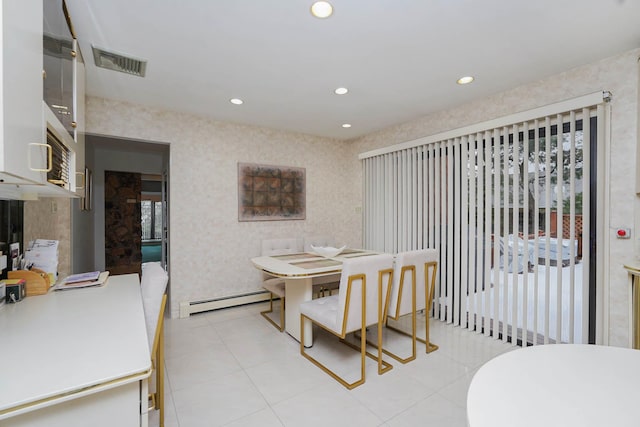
(429, 293)
(265, 313)
(157, 363)
(383, 366)
(321, 292)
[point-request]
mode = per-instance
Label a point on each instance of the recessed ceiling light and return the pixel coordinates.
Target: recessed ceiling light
(346, 125)
(236, 101)
(321, 9)
(341, 91)
(465, 80)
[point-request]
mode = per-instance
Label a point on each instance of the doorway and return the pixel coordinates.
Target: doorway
(125, 156)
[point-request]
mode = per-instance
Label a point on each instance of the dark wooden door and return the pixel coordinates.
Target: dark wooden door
(122, 225)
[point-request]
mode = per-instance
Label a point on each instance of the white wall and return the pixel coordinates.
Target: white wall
(618, 75)
(210, 248)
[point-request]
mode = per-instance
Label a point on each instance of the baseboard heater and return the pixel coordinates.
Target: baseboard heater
(188, 308)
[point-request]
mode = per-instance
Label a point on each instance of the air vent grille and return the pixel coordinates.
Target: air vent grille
(117, 62)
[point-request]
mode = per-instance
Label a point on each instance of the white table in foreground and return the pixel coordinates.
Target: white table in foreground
(76, 358)
(298, 270)
(561, 385)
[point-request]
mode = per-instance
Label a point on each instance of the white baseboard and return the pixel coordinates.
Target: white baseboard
(188, 308)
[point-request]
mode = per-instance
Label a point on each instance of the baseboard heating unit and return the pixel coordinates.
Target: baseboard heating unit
(188, 308)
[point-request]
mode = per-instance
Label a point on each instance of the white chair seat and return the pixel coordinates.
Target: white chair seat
(324, 311)
(275, 286)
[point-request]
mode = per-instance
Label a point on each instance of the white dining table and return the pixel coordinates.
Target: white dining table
(298, 271)
(563, 385)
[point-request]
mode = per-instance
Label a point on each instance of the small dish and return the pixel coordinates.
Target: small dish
(327, 251)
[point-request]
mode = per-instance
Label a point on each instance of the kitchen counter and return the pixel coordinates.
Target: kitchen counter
(70, 346)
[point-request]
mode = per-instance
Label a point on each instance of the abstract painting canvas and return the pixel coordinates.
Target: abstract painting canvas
(270, 193)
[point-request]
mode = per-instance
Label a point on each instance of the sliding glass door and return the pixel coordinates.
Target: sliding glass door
(510, 208)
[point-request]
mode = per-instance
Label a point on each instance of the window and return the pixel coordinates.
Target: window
(151, 220)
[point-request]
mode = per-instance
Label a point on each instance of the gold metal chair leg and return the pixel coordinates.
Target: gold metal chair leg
(349, 386)
(413, 342)
(431, 347)
(413, 320)
(160, 376)
(157, 363)
(429, 292)
(383, 366)
(265, 313)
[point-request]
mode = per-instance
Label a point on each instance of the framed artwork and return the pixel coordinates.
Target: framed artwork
(270, 193)
(86, 202)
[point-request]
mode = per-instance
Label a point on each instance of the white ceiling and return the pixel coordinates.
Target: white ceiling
(399, 58)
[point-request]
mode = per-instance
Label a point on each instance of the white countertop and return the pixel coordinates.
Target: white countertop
(55, 346)
(557, 385)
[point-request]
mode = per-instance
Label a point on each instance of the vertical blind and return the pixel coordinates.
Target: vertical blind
(507, 205)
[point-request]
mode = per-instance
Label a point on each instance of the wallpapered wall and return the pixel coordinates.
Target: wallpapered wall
(619, 75)
(210, 248)
(50, 219)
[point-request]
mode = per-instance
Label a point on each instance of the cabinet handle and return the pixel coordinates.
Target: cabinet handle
(44, 74)
(49, 157)
(73, 53)
(83, 181)
(74, 124)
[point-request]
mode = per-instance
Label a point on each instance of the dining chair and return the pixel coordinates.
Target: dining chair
(275, 285)
(360, 303)
(412, 290)
(154, 300)
(324, 284)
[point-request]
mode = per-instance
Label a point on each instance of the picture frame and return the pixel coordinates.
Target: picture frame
(271, 193)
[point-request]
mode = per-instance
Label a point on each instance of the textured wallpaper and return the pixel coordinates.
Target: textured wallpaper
(50, 218)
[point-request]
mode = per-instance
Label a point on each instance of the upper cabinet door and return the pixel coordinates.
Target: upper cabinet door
(79, 111)
(21, 127)
(59, 61)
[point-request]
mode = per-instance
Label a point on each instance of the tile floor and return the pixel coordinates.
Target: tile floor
(230, 367)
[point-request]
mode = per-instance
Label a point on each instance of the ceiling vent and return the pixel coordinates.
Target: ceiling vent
(117, 62)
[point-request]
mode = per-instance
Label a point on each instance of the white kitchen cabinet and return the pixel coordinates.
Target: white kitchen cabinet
(23, 157)
(64, 84)
(118, 406)
(31, 164)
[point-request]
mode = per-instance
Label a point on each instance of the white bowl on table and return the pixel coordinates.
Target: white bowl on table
(327, 251)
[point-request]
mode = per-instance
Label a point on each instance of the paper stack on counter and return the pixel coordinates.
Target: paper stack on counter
(43, 254)
(82, 280)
